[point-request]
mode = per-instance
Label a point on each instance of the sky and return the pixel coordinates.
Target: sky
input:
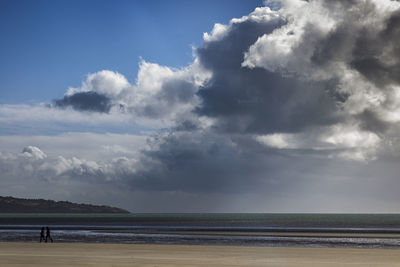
(55, 44)
(202, 106)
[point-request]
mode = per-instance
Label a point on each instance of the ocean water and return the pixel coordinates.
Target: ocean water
(304, 230)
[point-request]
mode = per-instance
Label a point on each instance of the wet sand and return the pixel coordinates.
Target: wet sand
(78, 254)
(279, 234)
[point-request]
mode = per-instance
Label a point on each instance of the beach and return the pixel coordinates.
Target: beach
(80, 254)
(274, 240)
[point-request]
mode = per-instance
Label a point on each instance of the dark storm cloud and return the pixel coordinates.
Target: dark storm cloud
(371, 48)
(256, 100)
(186, 125)
(207, 162)
(371, 122)
(85, 101)
(182, 163)
(369, 53)
(244, 102)
(335, 46)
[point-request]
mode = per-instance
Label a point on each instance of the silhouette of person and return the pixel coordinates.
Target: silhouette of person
(48, 235)
(42, 235)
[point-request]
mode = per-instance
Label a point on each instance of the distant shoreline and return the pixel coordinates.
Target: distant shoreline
(15, 205)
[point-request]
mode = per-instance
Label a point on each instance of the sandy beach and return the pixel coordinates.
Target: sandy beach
(78, 254)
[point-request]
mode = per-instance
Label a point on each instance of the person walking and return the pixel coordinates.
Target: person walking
(42, 235)
(48, 235)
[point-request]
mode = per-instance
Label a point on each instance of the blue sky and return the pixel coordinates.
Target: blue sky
(48, 46)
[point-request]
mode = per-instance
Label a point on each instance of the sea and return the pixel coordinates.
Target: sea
(238, 229)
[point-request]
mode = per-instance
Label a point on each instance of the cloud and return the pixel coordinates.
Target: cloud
(256, 100)
(92, 146)
(32, 163)
(163, 93)
(105, 82)
(339, 141)
(352, 47)
(294, 103)
(160, 96)
(283, 81)
(275, 78)
(96, 93)
(86, 101)
(85, 167)
(33, 152)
